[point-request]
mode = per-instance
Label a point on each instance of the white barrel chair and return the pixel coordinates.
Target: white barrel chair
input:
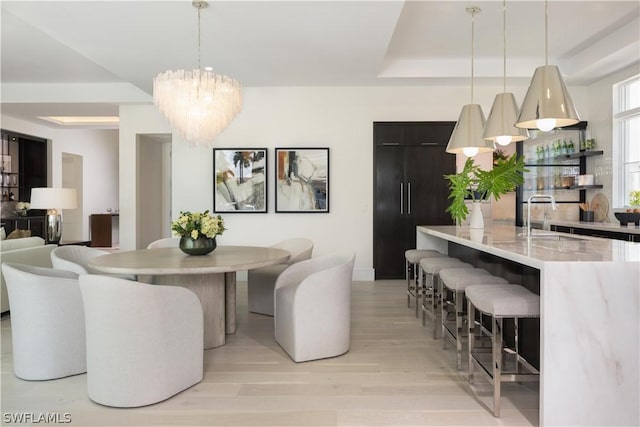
(76, 258)
(145, 343)
(261, 281)
(47, 322)
(168, 242)
(313, 307)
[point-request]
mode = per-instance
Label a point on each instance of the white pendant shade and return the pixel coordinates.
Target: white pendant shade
(468, 132)
(547, 103)
(198, 104)
(500, 124)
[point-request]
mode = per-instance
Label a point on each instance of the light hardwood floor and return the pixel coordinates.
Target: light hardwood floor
(394, 375)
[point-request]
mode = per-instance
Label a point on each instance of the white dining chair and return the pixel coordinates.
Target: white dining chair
(168, 242)
(76, 258)
(47, 322)
(144, 342)
(261, 281)
(313, 307)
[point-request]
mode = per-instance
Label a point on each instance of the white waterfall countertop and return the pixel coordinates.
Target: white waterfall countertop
(512, 243)
(589, 317)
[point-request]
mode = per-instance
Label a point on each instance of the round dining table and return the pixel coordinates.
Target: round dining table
(211, 277)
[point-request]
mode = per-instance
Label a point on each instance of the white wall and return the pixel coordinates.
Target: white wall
(601, 129)
(340, 118)
(99, 150)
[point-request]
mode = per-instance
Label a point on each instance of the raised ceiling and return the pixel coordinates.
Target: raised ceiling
(111, 50)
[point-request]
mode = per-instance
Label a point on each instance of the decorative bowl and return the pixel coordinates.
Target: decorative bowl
(627, 217)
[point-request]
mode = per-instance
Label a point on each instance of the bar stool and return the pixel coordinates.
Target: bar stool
(454, 282)
(429, 278)
(500, 302)
(412, 258)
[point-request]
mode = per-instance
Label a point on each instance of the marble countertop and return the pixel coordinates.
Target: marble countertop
(604, 226)
(510, 242)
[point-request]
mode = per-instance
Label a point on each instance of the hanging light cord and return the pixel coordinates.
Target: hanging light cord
(473, 13)
(504, 45)
(546, 32)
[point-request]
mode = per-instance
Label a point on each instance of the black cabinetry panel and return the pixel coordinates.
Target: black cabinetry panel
(409, 188)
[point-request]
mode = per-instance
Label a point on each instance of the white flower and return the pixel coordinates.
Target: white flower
(194, 234)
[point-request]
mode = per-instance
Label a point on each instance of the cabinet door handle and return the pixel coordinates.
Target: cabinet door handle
(409, 198)
(428, 143)
(390, 143)
(401, 198)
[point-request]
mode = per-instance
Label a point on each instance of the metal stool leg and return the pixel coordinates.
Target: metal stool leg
(496, 341)
(471, 323)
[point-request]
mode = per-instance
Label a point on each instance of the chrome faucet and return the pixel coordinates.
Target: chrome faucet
(537, 196)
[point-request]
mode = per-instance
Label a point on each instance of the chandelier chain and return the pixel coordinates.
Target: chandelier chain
(199, 37)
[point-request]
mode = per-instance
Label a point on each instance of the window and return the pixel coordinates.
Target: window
(626, 131)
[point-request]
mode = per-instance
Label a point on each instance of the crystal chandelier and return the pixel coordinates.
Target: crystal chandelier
(199, 104)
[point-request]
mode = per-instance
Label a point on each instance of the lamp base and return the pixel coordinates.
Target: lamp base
(53, 228)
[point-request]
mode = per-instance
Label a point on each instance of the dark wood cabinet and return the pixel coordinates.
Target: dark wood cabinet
(101, 229)
(409, 188)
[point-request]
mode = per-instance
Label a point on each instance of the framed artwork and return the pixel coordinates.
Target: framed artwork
(240, 180)
(302, 180)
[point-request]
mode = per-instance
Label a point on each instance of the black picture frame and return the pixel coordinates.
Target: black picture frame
(302, 180)
(240, 180)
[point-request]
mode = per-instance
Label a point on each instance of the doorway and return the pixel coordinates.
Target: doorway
(72, 177)
(153, 180)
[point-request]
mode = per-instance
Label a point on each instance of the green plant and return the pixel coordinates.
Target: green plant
(477, 184)
(634, 198)
(196, 224)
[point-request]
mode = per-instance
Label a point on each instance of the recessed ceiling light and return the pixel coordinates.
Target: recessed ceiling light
(82, 120)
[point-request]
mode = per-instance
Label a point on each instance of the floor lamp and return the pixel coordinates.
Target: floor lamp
(53, 200)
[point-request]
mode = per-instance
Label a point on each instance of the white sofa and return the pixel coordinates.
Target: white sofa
(29, 251)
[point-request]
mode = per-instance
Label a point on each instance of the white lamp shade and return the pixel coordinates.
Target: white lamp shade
(53, 198)
(547, 98)
(468, 132)
(503, 116)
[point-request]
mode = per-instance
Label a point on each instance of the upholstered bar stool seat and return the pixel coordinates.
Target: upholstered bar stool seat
(429, 278)
(412, 258)
(454, 282)
(500, 302)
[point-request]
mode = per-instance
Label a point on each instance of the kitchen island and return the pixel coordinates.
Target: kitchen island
(589, 335)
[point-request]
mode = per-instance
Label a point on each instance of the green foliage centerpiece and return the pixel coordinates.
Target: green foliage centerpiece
(477, 184)
(198, 231)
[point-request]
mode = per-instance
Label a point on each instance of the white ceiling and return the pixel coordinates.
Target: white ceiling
(117, 47)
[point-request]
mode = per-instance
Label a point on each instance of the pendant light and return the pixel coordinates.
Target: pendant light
(199, 104)
(547, 104)
(467, 135)
(504, 112)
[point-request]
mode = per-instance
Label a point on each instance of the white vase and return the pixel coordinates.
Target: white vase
(476, 220)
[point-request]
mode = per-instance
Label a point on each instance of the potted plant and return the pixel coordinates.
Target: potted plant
(477, 184)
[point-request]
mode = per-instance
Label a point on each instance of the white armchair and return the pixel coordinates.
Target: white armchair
(47, 322)
(145, 343)
(76, 258)
(313, 307)
(169, 242)
(261, 281)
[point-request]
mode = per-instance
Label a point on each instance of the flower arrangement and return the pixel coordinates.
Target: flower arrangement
(634, 198)
(198, 224)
